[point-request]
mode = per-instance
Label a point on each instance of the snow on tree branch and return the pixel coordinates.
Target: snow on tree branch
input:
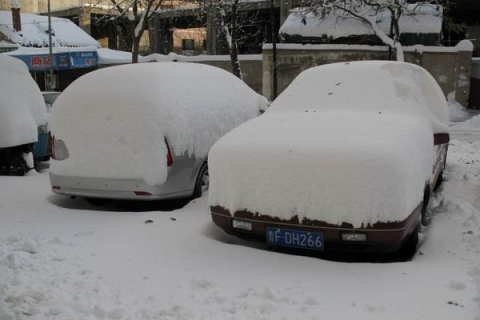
(369, 12)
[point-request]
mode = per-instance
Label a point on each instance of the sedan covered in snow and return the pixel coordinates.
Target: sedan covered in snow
(346, 158)
(143, 131)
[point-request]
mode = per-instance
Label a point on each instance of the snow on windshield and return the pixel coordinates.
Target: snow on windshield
(343, 143)
(374, 86)
(114, 120)
(22, 108)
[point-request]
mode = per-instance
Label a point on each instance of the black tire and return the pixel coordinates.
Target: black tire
(425, 218)
(19, 166)
(439, 181)
(440, 178)
(202, 182)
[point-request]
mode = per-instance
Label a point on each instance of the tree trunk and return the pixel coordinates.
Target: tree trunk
(233, 45)
(136, 48)
(136, 38)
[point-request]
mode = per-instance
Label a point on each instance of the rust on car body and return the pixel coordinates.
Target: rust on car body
(381, 236)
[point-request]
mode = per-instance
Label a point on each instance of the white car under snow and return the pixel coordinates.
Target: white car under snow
(22, 112)
(143, 131)
(345, 158)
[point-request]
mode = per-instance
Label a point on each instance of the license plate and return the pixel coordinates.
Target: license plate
(295, 238)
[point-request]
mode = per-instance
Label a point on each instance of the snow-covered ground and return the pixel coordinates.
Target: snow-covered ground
(62, 258)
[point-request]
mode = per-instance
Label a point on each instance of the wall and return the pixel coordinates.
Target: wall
(473, 33)
(474, 101)
(451, 67)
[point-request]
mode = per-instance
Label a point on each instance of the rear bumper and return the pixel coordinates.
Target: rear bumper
(382, 237)
(40, 148)
(126, 189)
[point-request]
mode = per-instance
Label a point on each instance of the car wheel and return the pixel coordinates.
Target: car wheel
(425, 218)
(19, 166)
(439, 181)
(203, 181)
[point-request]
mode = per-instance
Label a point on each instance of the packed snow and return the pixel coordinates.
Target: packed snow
(415, 19)
(22, 108)
(337, 128)
(114, 120)
(326, 161)
(372, 86)
(34, 31)
(471, 126)
(61, 259)
(109, 56)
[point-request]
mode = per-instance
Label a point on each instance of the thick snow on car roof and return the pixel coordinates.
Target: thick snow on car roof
(22, 107)
(331, 149)
(114, 120)
(375, 86)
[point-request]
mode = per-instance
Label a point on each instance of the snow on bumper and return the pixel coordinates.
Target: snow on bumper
(113, 188)
(324, 167)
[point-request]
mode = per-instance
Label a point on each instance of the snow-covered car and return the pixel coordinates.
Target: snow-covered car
(346, 158)
(143, 131)
(22, 116)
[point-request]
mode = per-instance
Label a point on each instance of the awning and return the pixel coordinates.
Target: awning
(63, 59)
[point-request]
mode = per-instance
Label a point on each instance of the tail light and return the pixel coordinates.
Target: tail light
(169, 154)
(59, 149)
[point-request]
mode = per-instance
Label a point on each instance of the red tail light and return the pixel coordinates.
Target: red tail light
(169, 154)
(59, 149)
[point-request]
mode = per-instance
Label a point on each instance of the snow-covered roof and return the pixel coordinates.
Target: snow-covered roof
(418, 19)
(35, 31)
(22, 107)
(6, 44)
(343, 143)
(63, 58)
(122, 113)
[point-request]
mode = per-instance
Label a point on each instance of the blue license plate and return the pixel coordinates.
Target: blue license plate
(295, 238)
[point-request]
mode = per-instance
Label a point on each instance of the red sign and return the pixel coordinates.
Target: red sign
(40, 61)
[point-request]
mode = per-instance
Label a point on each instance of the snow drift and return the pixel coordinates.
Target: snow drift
(345, 142)
(113, 121)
